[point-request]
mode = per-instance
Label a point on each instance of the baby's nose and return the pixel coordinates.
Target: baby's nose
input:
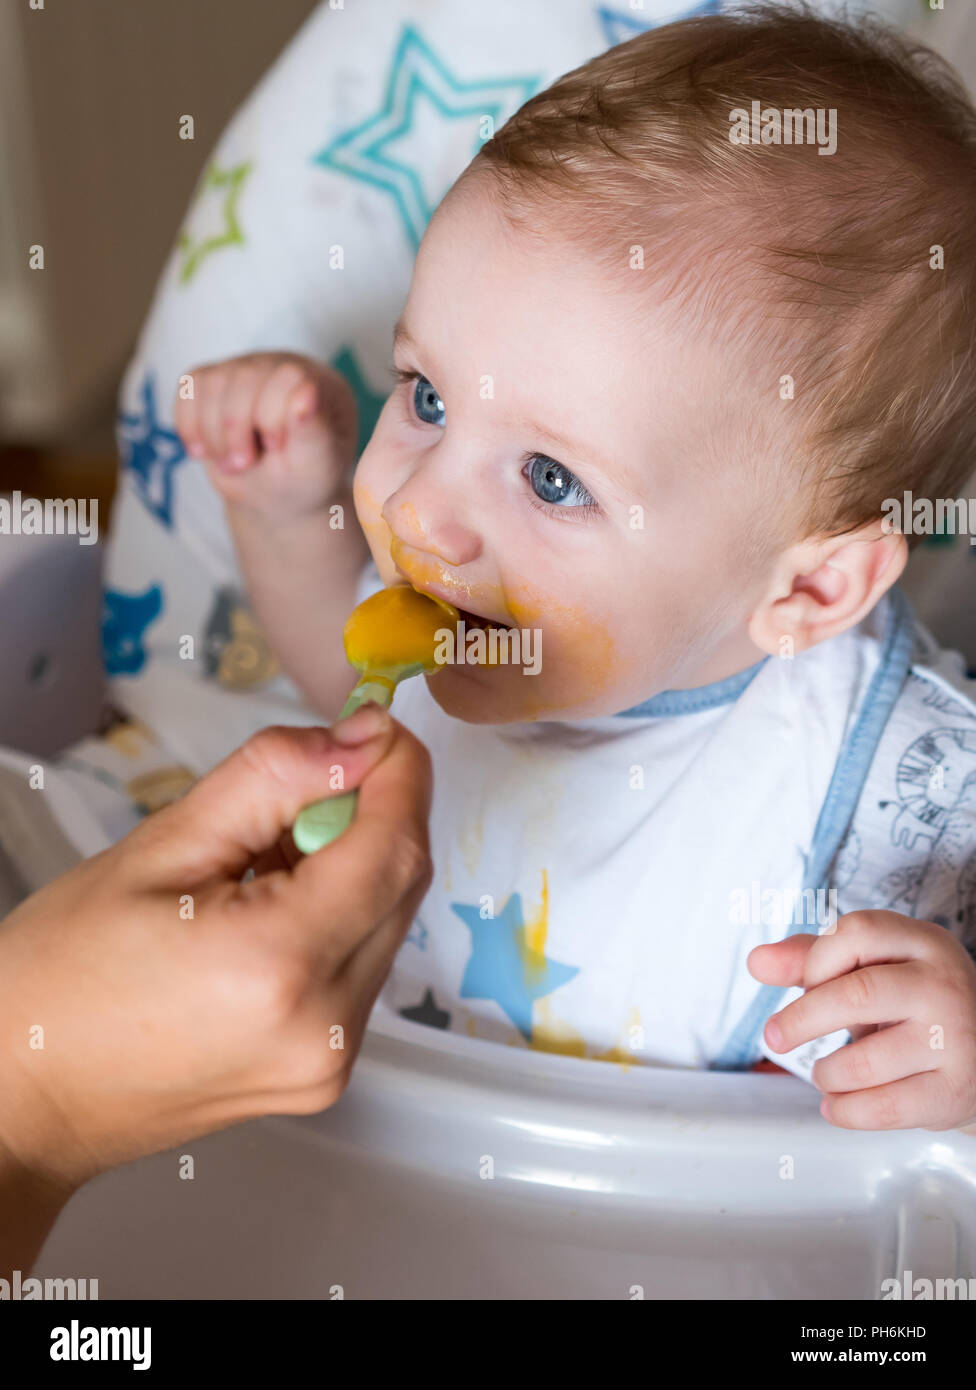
(443, 537)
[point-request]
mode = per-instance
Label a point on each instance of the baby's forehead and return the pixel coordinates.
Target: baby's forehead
(838, 274)
(564, 333)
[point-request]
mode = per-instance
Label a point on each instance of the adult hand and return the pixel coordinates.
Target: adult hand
(158, 1025)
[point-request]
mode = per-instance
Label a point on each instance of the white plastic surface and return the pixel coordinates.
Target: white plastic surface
(51, 682)
(686, 1184)
(682, 1184)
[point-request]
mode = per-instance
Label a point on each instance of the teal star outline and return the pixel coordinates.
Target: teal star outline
(415, 68)
(369, 402)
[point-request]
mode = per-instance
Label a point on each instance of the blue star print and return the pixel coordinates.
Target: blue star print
(619, 27)
(496, 968)
(363, 152)
(418, 934)
(151, 453)
(125, 618)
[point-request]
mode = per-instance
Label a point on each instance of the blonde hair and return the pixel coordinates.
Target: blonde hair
(835, 254)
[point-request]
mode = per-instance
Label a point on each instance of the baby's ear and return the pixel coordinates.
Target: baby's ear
(823, 587)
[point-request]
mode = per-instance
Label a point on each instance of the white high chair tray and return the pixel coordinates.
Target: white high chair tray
(607, 1183)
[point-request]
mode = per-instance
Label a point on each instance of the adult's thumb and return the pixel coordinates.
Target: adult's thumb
(240, 809)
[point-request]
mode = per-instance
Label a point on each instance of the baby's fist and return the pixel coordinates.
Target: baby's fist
(277, 431)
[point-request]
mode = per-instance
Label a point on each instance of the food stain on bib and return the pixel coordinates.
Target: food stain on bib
(532, 938)
(471, 837)
(623, 1052)
(550, 1034)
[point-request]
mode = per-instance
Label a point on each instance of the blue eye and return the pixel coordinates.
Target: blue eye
(427, 403)
(554, 484)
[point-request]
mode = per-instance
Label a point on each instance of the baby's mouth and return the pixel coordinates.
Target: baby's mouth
(476, 620)
(465, 615)
(444, 593)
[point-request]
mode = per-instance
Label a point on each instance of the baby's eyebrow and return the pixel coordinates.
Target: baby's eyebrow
(403, 339)
(586, 455)
(401, 336)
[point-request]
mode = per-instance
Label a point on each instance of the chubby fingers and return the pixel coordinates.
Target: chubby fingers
(887, 1055)
(244, 404)
(923, 1100)
(783, 962)
(920, 1071)
(857, 938)
(871, 995)
(287, 396)
(197, 411)
(860, 944)
(869, 938)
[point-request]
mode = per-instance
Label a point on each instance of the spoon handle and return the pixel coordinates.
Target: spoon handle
(324, 821)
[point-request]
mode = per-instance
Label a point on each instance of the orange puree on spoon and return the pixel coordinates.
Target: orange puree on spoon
(390, 636)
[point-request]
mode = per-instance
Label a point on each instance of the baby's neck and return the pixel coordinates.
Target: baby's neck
(734, 656)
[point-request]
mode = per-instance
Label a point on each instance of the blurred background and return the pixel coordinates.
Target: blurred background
(93, 169)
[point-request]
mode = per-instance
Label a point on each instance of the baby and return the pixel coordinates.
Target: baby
(664, 357)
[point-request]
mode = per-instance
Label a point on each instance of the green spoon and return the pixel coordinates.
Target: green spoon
(388, 638)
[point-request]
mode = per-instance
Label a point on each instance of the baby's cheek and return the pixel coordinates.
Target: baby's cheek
(583, 660)
(378, 534)
(578, 659)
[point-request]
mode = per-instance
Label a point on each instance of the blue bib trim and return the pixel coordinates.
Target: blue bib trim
(742, 1048)
(671, 702)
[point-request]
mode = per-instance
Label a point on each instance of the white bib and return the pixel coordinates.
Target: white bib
(598, 885)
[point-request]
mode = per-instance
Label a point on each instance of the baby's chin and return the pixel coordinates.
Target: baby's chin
(506, 695)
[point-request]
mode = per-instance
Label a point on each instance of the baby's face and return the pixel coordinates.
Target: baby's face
(554, 459)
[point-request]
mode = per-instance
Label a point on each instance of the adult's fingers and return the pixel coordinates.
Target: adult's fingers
(240, 809)
(368, 966)
(284, 856)
(343, 893)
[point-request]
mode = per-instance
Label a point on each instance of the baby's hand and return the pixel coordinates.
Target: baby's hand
(277, 432)
(906, 991)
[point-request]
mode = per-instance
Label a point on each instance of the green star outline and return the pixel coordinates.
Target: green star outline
(213, 177)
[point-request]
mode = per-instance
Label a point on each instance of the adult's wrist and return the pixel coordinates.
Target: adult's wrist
(32, 1196)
